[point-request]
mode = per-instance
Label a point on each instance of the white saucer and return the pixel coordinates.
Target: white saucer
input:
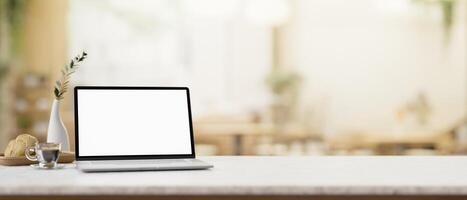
(36, 166)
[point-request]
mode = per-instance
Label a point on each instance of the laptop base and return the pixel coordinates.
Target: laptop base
(141, 165)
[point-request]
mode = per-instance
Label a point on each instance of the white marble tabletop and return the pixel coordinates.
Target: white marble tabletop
(256, 176)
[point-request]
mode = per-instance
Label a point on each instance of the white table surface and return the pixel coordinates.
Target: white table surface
(256, 176)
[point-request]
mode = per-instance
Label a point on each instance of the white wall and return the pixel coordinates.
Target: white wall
(174, 43)
(362, 60)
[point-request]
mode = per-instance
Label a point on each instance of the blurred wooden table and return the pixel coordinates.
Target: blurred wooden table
(388, 143)
(239, 132)
(429, 140)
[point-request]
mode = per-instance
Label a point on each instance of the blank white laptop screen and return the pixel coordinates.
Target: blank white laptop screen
(113, 122)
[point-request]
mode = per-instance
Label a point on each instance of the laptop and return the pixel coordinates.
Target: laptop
(134, 129)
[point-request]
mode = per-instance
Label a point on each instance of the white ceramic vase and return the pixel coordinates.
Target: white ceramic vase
(56, 133)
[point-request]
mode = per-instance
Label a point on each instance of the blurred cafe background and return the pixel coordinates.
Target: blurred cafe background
(267, 77)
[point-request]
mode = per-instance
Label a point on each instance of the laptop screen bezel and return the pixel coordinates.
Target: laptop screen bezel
(130, 157)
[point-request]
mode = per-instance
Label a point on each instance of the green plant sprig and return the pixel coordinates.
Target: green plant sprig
(61, 86)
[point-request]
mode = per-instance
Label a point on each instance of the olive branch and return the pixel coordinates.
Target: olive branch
(61, 86)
